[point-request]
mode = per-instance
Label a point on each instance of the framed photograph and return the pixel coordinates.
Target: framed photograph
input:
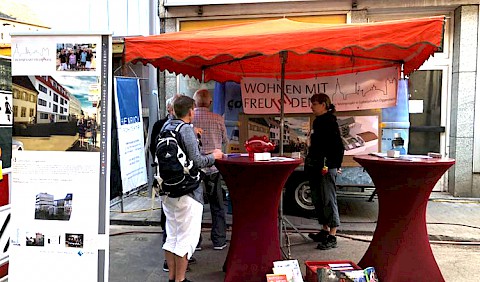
(360, 132)
(297, 128)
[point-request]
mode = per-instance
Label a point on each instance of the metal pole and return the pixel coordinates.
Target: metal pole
(282, 227)
(283, 60)
(152, 91)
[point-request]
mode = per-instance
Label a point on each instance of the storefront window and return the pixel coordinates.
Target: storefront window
(188, 86)
(425, 88)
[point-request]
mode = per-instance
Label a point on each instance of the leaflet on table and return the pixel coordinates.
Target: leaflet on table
(235, 155)
(401, 157)
(290, 266)
(281, 159)
(277, 159)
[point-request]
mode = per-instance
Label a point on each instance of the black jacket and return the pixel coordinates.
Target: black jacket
(326, 142)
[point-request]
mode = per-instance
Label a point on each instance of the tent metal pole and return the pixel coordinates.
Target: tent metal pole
(283, 221)
(283, 60)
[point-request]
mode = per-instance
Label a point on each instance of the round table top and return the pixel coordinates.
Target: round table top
(244, 160)
(409, 160)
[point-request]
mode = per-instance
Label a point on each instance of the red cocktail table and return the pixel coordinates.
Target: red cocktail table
(400, 248)
(255, 188)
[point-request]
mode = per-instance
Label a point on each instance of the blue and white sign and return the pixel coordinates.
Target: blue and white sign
(130, 133)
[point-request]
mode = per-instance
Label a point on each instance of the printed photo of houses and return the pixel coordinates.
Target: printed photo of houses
(295, 132)
(73, 240)
(35, 239)
(58, 113)
(49, 208)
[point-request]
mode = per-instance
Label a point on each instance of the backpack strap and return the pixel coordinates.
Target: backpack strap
(177, 128)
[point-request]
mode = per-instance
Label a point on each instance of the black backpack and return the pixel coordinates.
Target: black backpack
(176, 173)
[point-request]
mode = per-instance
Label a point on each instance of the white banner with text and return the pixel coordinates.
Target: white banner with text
(349, 92)
(130, 133)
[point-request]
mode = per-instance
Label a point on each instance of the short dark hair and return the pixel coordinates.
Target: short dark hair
(182, 105)
(323, 98)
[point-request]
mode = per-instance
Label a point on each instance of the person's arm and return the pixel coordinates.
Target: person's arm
(223, 131)
(191, 146)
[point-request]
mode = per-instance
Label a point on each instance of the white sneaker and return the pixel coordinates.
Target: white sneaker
(219, 248)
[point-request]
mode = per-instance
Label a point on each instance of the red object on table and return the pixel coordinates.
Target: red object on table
(255, 188)
(400, 248)
(259, 144)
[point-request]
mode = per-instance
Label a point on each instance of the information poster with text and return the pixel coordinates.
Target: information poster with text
(61, 87)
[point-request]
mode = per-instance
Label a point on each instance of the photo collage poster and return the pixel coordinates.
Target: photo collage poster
(61, 89)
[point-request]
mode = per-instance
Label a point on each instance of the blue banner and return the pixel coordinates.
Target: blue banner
(128, 102)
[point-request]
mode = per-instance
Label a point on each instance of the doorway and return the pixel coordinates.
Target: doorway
(427, 109)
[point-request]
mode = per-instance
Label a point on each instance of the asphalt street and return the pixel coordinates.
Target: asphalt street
(453, 226)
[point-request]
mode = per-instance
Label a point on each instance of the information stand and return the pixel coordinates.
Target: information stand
(60, 181)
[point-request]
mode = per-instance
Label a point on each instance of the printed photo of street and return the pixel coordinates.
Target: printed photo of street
(295, 135)
(58, 113)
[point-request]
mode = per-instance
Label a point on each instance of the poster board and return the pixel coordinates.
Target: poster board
(128, 109)
(60, 181)
(296, 134)
(361, 133)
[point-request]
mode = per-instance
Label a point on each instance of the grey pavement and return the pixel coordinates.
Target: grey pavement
(453, 225)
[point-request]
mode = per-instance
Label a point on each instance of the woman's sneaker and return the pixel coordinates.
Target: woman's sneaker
(192, 260)
(329, 243)
(320, 236)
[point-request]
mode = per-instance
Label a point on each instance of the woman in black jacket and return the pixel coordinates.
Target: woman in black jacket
(323, 162)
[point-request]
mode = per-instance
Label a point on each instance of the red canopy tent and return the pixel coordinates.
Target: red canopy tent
(228, 53)
(261, 49)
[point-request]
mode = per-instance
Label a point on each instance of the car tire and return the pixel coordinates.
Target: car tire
(297, 198)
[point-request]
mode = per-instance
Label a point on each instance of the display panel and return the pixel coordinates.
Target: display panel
(61, 87)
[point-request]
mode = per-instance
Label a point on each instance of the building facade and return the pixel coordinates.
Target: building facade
(44, 201)
(75, 107)
(53, 100)
(24, 100)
